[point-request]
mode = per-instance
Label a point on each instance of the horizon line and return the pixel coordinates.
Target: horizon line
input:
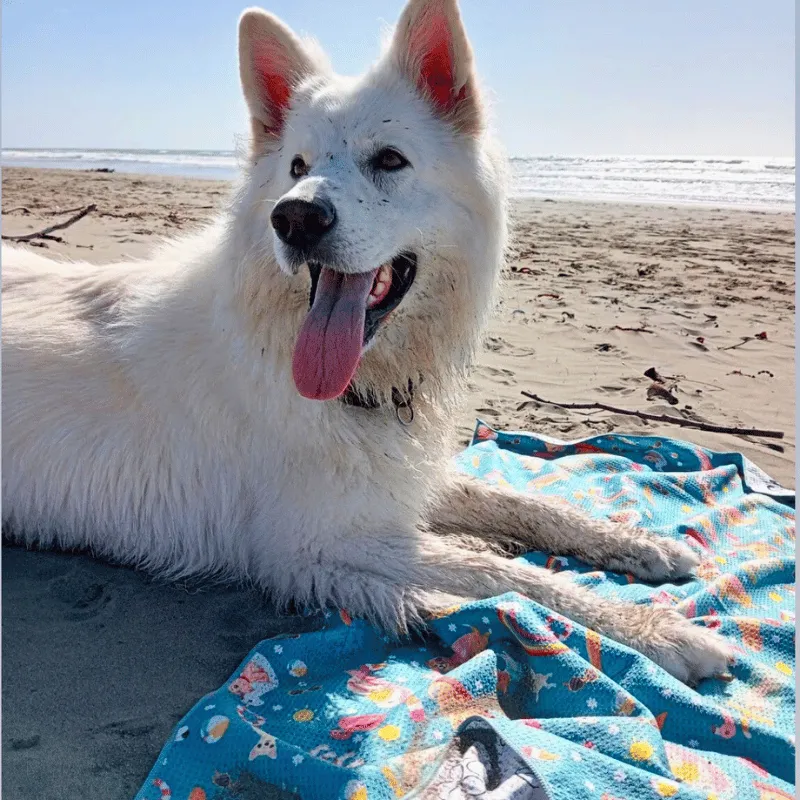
(233, 151)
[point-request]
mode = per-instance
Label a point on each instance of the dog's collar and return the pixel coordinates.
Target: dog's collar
(402, 401)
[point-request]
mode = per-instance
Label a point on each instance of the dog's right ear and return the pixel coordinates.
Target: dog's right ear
(431, 49)
(272, 61)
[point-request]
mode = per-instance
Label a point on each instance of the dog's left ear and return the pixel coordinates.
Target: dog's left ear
(431, 49)
(272, 61)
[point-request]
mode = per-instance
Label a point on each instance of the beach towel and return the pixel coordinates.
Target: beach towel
(505, 699)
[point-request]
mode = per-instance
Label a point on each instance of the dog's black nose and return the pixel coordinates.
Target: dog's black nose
(301, 223)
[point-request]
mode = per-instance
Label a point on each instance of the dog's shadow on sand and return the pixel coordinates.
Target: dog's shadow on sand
(100, 662)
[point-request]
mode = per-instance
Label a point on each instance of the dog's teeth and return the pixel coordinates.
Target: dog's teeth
(383, 282)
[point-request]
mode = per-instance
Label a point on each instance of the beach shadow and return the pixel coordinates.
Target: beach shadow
(100, 662)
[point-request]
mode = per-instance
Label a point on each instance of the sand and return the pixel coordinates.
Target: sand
(99, 663)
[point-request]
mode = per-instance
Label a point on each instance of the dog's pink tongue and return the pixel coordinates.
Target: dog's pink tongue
(328, 348)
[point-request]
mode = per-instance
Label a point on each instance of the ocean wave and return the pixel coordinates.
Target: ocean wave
(724, 181)
(200, 157)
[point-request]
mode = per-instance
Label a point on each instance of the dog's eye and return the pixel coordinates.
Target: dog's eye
(389, 160)
(299, 167)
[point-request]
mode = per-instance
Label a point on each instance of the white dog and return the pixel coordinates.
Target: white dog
(272, 399)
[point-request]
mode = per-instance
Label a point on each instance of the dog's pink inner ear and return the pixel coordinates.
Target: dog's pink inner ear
(275, 88)
(432, 44)
(431, 49)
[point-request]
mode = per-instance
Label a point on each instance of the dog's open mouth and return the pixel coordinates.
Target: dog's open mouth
(345, 312)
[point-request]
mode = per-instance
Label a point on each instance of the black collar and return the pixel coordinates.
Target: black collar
(370, 399)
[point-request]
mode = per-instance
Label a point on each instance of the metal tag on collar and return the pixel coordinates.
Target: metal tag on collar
(403, 408)
(406, 418)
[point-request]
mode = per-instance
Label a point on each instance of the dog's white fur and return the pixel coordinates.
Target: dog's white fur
(149, 412)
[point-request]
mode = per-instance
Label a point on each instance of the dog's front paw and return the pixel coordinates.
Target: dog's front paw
(656, 558)
(687, 651)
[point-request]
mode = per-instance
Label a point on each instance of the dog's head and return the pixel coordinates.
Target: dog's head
(379, 198)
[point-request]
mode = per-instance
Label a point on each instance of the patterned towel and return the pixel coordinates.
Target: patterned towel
(504, 698)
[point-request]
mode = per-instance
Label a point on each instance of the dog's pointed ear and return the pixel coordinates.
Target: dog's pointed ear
(272, 60)
(431, 49)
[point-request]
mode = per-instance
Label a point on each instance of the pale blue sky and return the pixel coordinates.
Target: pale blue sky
(699, 77)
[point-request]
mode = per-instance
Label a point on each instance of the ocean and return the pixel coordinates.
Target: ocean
(752, 182)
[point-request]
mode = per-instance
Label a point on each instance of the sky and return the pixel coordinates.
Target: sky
(590, 77)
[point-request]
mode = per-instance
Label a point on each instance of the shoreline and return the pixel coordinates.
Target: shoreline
(670, 205)
(231, 175)
(594, 294)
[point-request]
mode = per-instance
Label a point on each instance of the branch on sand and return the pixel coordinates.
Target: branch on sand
(640, 329)
(684, 423)
(46, 233)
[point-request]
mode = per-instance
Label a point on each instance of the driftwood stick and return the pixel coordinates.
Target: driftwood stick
(684, 423)
(745, 340)
(46, 232)
(60, 211)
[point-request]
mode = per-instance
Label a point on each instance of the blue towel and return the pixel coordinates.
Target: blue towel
(342, 712)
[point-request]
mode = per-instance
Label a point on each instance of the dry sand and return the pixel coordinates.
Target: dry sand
(99, 663)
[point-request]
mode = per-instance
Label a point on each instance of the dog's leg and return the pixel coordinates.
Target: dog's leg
(688, 651)
(395, 580)
(365, 576)
(524, 522)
